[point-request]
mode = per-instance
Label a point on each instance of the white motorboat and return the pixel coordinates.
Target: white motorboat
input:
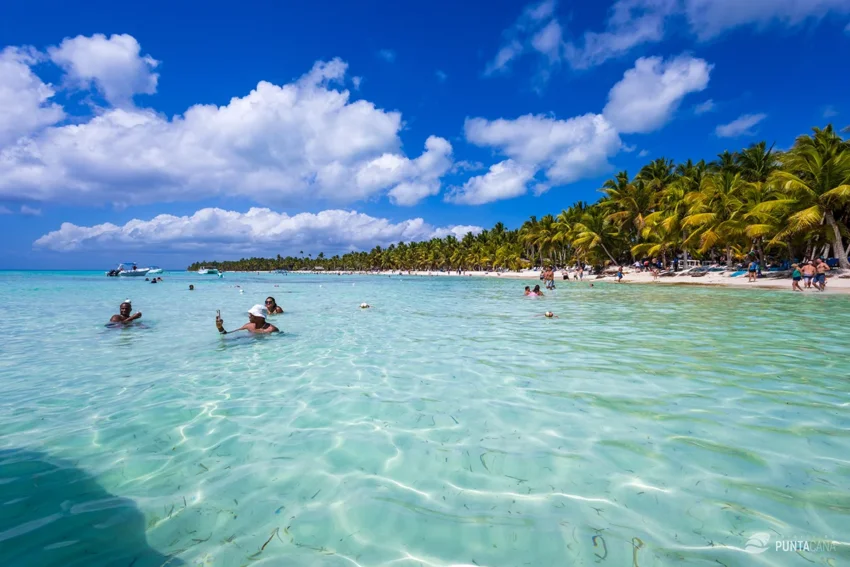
(209, 272)
(154, 270)
(128, 270)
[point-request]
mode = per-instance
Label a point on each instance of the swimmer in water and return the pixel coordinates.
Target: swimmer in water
(365, 306)
(273, 307)
(256, 322)
(536, 291)
(124, 316)
(527, 290)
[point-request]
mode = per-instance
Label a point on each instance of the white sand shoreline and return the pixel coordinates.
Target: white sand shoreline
(834, 285)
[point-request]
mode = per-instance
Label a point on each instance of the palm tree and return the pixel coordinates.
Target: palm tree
(715, 212)
(757, 162)
(816, 181)
(593, 232)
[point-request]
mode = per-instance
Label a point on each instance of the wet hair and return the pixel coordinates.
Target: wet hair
(536, 288)
(272, 299)
(527, 288)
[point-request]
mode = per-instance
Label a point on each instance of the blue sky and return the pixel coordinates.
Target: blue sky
(150, 134)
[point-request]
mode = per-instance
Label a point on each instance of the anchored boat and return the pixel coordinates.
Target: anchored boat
(209, 272)
(128, 270)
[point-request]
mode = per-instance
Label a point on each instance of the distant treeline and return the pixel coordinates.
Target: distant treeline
(757, 201)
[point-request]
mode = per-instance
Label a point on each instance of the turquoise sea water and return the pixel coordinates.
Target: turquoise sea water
(448, 425)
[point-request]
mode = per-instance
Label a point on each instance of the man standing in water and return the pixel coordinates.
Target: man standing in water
(124, 316)
(256, 322)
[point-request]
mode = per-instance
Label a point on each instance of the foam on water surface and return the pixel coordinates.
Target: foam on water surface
(449, 424)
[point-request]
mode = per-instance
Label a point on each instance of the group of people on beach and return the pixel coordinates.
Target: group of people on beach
(809, 273)
(256, 324)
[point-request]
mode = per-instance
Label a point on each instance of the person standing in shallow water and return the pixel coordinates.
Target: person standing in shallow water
(123, 315)
(273, 307)
(256, 322)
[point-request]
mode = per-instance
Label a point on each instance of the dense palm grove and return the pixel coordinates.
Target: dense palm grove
(761, 202)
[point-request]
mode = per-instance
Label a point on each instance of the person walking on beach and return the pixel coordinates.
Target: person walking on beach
(123, 315)
(752, 272)
(619, 274)
(808, 274)
(796, 276)
(821, 268)
(256, 322)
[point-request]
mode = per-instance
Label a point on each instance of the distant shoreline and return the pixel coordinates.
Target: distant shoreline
(835, 284)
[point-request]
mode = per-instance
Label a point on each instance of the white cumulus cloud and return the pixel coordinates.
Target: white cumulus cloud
(114, 65)
(649, 94)
(741, 126)
(25, 105)
(305, 141)
(256, 230)
(567, 150)
(504, 180)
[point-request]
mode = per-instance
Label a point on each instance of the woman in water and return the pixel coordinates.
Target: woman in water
(536, 291)
(273, 307)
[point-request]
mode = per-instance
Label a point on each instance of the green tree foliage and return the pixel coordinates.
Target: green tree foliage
(758, 201)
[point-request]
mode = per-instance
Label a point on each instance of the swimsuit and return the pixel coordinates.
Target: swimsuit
(796, 276)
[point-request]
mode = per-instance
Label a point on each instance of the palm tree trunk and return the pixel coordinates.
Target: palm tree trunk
(837, 244)
(609, 254)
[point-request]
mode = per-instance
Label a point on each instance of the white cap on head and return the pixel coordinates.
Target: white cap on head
(259, 311)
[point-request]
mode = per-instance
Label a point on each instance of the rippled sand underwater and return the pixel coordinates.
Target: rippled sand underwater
(448, 425)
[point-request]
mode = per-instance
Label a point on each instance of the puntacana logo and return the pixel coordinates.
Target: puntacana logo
(757, 543)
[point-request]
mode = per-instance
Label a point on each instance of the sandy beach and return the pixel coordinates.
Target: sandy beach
(835, 283)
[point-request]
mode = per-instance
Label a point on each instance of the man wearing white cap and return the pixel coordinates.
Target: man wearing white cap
(256, 322)
(124, 311)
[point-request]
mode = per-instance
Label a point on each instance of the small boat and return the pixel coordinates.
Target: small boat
(154, 270)
(209, 272)
(128, 270)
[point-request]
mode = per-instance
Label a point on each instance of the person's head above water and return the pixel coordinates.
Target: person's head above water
(272, 306)
(124, 316)
(257, 314)
(536, 289)
(527, 288)
(549, 314)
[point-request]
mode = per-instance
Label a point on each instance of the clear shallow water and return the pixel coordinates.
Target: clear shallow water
(447, 425)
